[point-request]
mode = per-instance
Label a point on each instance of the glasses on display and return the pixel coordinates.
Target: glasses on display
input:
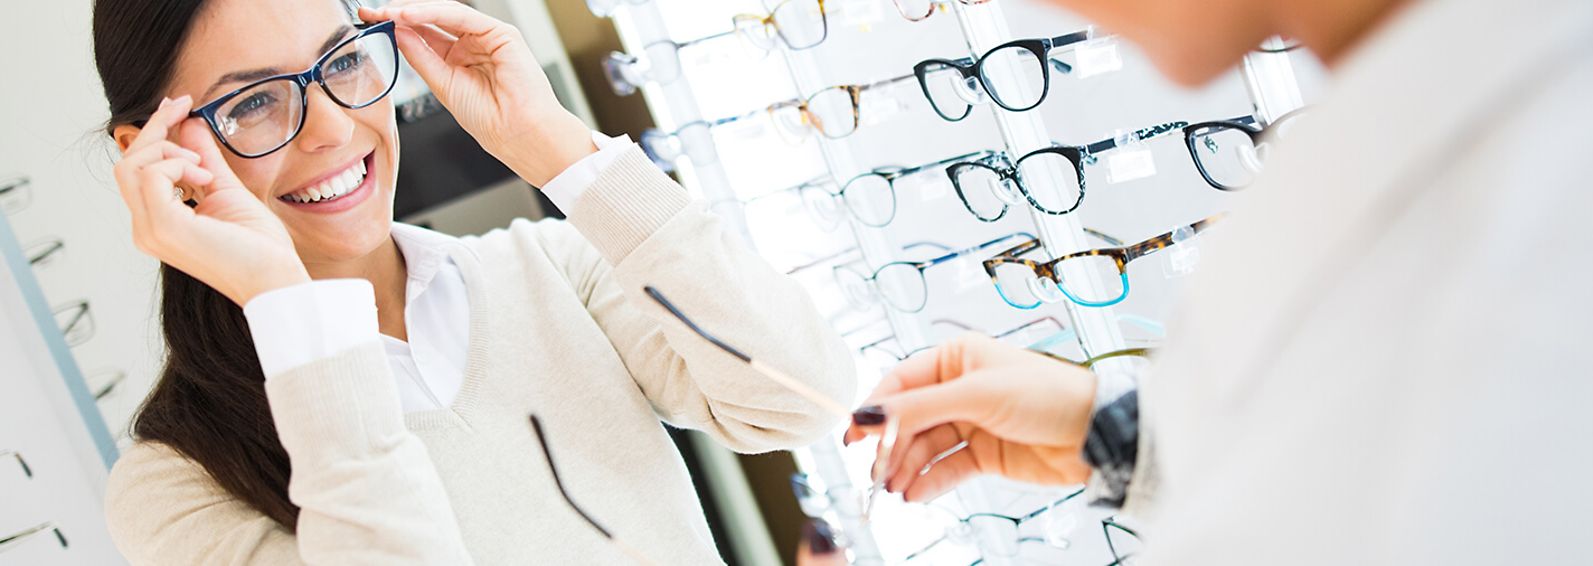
(834, 112)
(626, 73)
(13, 540)
(901, 285)
(799, 24)
(1050, 179)
(1231, 153)
(1025, 283)
(76, 322)
(104, 383)
(22, 462)
(983, 530)
(1016, 75)
(870, 197)
(265, 115)
(16, 194)
(1122, 540)
(920, 10)
(1046, 326)
(693, 140)
(547, 454)
(45, 253)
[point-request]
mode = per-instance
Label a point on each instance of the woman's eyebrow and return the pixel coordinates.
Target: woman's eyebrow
(257, 74)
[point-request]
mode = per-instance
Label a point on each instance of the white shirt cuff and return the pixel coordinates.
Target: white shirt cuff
(568, 186)
(296, 325)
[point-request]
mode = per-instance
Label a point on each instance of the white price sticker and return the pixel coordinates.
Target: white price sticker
(970, 275)
(1126, 165)
(930, 188)
(1096, 57)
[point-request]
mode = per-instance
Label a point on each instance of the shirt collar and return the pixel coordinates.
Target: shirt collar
(425, 253)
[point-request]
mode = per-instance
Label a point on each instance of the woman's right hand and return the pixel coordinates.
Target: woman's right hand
(1023, 415)
(230, 241)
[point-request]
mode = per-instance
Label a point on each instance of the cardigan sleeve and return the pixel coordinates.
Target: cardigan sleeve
(366, 488)
(643, 231)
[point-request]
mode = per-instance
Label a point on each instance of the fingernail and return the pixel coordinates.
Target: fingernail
(820, 537)
(869, 416)
(164, 101)
(184, 98)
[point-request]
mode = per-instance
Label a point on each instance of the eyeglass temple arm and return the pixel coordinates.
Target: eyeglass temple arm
(36, 529)
(1139, 135)
(26, 469)
(1061, 41)
(965, 251)
(1150, 246)
(947, 161)
(836, 408)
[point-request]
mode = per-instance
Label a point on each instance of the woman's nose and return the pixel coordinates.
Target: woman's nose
(326, 124)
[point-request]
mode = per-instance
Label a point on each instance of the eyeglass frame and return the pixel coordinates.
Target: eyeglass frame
(921, 266)
(890, 175)
(1246, 124)
(1017, 522)
(933, 5)
(27, 533)
(768, 20)
(1078, 156)
(303, 80)
(854, 92)
(1107, 525)
(1121, 256)
(969, 67)
(26, 469)
(620, 61)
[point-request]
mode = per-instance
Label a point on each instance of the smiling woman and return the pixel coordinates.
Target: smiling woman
(294, 420)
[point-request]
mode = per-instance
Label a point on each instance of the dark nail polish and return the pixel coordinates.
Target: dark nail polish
(869, 416)
(820, 537)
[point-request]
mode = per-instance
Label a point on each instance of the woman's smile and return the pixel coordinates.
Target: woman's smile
(335, 192)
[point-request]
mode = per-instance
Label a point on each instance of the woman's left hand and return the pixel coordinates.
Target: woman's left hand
(482, 70)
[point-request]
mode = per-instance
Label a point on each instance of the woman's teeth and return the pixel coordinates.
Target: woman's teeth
(339, 185)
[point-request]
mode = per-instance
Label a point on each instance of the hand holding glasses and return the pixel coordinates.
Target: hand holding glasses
(1025, 283)
(265, 115)
(1016, 75)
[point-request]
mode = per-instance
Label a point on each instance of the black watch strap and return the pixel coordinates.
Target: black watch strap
(1113, 445)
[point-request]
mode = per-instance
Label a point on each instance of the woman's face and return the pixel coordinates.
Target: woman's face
(1190, 42)
(234, 42)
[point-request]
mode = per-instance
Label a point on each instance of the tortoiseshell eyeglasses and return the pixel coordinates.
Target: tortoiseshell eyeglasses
(1026, 283)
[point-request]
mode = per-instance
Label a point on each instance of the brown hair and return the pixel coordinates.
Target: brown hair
(209, 403)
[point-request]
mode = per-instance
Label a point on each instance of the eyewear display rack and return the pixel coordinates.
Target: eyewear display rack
(1269, 81)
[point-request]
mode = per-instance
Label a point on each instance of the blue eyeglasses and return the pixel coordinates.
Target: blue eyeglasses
(265, 115)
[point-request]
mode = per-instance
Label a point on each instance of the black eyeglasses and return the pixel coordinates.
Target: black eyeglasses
(26, 470)
(265, 115)
(1231, 153)
(1051, 179)
(870, 197)
(1121, 540)
(1016, 74)
(11, 541)
(15, 194)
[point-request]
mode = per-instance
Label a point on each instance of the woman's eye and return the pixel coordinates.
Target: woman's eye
(251, 106)
(345, 63)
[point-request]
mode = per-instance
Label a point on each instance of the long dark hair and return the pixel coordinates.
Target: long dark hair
(210, 403)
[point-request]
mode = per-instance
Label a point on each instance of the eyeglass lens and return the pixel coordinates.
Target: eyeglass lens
(267, 115)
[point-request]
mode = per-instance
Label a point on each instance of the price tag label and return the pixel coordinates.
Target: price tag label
(877, 106)
(1128, 164)
(931, 188)
(1097, 57)
(1183, 256)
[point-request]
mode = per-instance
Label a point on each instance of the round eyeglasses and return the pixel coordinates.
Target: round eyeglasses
(265, 115)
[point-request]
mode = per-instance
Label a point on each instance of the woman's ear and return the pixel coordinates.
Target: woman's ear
(124, 136)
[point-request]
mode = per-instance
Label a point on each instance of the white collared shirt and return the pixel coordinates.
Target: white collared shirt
(297, 325)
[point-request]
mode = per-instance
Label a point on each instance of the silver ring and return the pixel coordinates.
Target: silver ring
(177, 192)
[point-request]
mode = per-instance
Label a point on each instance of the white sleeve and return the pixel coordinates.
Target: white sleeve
(296, 325)
(568, 186)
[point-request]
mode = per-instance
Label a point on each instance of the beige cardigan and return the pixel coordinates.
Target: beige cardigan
(559, 326)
